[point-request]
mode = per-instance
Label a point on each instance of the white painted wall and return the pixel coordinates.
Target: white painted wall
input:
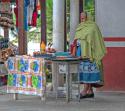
(110, 16)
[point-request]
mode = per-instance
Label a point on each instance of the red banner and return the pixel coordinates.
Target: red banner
(5, 0)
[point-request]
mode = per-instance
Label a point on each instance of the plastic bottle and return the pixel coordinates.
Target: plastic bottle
(43, 47)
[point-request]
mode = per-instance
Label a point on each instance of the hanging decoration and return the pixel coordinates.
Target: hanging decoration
(30, 13)
(6, 20)
(5, 50)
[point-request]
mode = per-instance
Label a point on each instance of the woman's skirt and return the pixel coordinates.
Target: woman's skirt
(89, 73)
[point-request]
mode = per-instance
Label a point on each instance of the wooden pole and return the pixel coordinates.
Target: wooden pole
(43, 21)
(22, 35)
(80, 8)
(65, 27)
(6, 33)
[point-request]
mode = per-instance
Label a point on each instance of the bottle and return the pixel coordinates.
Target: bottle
(42, 47)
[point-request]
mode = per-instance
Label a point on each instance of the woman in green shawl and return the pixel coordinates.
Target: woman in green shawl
(93, 50)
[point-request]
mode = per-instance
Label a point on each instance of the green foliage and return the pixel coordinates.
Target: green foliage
(36, 34)
(90, 8)
(49, 12)
(1, 36)
(68, 18)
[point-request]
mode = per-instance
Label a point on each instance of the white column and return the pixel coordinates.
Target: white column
(58, 36)
(58, 25)
(74, 17)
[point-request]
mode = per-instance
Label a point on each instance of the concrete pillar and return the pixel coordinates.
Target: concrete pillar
(58, 36)
(58, 25)
(74, 17)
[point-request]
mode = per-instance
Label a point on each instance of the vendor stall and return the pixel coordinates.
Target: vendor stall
(66, 66)
(5, 52)
(26, 76)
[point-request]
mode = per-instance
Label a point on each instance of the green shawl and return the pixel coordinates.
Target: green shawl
(92, 43)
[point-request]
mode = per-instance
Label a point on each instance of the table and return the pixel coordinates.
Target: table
(26, 76)
(67, 66)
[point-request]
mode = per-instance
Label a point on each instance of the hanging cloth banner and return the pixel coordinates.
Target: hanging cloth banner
(34, 15)
(30, 13)
(26, 3)
(38, 5)
(4, 0)
(16, 13)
